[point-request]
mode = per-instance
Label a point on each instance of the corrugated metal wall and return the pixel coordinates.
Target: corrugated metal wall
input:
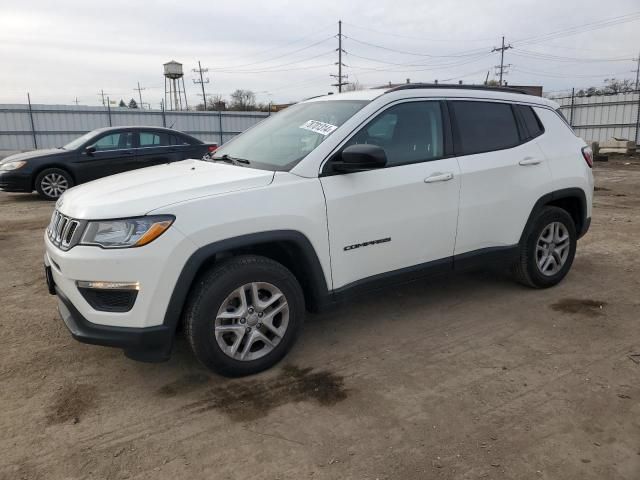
(601, 117)
(56, 125)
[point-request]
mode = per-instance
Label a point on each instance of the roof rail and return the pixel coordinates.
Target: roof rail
(408, 86)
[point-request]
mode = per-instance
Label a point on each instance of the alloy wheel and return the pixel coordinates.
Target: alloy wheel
(251, 321)
(552, 248)
(54, 185)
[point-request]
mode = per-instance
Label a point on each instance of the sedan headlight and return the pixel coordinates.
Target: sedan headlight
(126, 232)
(6, 167)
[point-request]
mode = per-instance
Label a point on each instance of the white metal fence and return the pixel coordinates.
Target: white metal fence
(25, 127)
(601, 117)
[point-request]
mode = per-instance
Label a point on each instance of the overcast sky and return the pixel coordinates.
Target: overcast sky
(285, 50)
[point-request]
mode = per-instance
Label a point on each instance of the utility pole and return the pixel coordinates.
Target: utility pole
(139, 89)
(102, 93)
(502, 65)
(340, 77)
(638, 72)
(76, 101)
(202, 81)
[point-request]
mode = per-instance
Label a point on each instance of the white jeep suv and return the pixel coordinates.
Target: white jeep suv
(329, 198)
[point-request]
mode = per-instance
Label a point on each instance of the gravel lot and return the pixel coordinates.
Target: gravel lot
(468, 376)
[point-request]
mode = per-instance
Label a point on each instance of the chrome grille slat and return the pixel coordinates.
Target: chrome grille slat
(63, 231)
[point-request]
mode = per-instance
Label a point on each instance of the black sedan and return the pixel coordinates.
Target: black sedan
(97, 154)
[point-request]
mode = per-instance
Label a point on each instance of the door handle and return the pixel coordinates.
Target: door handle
(439, 177)
(529, 161)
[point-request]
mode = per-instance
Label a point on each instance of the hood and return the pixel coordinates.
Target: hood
(33, 154)
(138, 192)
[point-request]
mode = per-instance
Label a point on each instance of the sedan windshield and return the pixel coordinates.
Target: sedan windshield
(73, 144)
(281, 141)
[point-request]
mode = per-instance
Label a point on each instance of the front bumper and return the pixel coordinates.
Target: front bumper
(151, 344)
(141, 331)
(15, 182)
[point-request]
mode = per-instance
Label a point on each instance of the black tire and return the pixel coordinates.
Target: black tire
(210, 291)
(48, 193)
(525, 269)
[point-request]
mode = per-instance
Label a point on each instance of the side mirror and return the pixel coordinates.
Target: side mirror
(359, 158)
(90, 150)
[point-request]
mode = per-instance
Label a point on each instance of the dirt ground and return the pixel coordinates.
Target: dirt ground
(470, 376)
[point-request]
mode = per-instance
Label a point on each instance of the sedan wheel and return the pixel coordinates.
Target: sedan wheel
(54, 185)
(53, 182)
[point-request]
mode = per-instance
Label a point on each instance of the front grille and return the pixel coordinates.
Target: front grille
(64, 232)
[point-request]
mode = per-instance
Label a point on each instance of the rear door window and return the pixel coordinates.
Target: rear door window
(153, 139)
(484, 126)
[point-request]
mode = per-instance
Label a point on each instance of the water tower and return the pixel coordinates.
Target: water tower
(177, 94)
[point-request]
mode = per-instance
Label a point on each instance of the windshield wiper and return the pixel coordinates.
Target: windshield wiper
(232, 160)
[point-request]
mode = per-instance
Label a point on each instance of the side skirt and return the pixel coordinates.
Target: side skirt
(494, 257)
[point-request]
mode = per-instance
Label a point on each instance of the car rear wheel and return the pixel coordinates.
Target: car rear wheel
(244, 315)
(548, 249)
(52, 183)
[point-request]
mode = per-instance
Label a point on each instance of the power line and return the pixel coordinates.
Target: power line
(564, 75)
(587, 27)
(275, 68)
(545, 56)
(315, 32)
(276, 57)
(480, 55)
(382, 47)
(427, 67)
(415, 37)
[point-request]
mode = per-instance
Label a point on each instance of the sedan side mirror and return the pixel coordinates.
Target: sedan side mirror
(359, 158)
(90, 150)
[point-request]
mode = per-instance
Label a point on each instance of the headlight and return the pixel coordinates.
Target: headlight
(126, 232)
(5, 167)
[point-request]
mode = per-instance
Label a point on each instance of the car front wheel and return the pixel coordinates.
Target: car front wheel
(244, 315)
(52, 183)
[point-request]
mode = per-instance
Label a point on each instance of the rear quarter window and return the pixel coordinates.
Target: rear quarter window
(531, 121)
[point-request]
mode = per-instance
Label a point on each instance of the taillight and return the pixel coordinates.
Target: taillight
(213, 148)
(587, 153)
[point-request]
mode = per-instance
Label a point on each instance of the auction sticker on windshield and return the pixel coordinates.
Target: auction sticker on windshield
(318, 127)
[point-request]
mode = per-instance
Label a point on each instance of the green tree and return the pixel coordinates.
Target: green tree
(133, 103)
(122, 104)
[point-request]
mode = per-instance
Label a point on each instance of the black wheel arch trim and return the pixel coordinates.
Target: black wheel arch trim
(576, 193)
(315, 280)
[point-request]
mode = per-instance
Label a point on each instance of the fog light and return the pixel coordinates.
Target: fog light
(109, 285)
(109, 296)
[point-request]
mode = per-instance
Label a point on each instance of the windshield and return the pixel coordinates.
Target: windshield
(281, 141)
(73, 144)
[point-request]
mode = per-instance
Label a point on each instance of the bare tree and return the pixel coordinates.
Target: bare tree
(352, 87)
(217, 102)
(243, 100)
(613, 86)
